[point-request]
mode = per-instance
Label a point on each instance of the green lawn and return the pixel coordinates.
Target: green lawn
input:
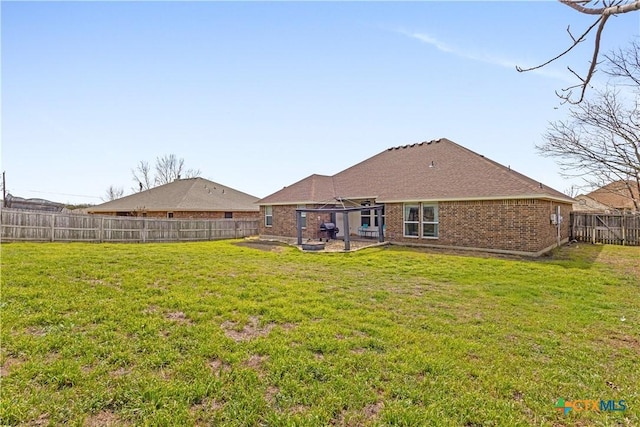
(218, 333)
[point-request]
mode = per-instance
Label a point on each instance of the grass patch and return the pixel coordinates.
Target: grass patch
(217, 333)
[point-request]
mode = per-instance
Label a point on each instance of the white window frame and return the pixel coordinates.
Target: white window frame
(303, 216)
(435, 221)
(420, 221)
(405, 221)
(268, 216)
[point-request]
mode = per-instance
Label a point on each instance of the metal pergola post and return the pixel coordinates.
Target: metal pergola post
(299, 225)
(345, 222)
(380, 224)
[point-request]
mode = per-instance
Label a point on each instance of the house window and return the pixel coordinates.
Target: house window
(268, 216)
(421, 220)
(429, 220)
(228, 215)
(411, 220)
(365, 216)
(303, 216)
(169, 214)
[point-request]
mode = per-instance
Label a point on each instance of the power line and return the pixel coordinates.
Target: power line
(62, 194)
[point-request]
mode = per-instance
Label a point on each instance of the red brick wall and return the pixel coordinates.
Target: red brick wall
(511, 225)
(214, 215)
(284, 222)
(193, 215)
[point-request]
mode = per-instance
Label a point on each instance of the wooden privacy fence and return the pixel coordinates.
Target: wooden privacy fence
(615, 229)
(20, 225)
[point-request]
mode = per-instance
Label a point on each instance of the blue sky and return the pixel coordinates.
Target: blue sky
(258, 95)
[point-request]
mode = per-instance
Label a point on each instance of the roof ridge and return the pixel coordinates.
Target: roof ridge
(185, 195)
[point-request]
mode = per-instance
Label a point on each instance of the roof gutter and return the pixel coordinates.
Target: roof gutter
(471, 199)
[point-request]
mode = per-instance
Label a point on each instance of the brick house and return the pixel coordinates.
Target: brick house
(434, 193)
(183, 198)
(618, 196)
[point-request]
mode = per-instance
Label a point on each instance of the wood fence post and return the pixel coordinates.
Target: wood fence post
(53, 227)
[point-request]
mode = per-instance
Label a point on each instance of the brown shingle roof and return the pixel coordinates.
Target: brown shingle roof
(435, 170)
(192, 194)
(616, 195)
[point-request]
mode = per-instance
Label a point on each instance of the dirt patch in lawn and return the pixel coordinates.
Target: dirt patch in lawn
(42, 420)
(218, 367)
(8, 364)
(180, 317)
(256, 363)
(103, 418)
(250, 330)
(365, 416)
(120, 372)
(623, 341)
(263, 245)
(271, 393)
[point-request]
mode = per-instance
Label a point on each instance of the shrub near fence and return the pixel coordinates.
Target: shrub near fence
(615, 229)
(18, 225)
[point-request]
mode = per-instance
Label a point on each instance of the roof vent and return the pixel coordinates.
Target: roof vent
(433, 164)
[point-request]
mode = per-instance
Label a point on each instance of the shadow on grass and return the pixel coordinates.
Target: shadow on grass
(574, 255)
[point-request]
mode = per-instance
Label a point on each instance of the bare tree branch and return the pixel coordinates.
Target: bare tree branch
(600, 141)
(167, 169)
(614, 8)
(625, 63)
(113, 193)
(142, 176)
(610, 8)
(560, 55)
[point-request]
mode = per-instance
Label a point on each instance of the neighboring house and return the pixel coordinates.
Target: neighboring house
(183, 198)
(617, 196)
(13, 202)
(435, 193)
(585, 203)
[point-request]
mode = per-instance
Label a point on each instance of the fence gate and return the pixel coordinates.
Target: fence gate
(614, 229)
